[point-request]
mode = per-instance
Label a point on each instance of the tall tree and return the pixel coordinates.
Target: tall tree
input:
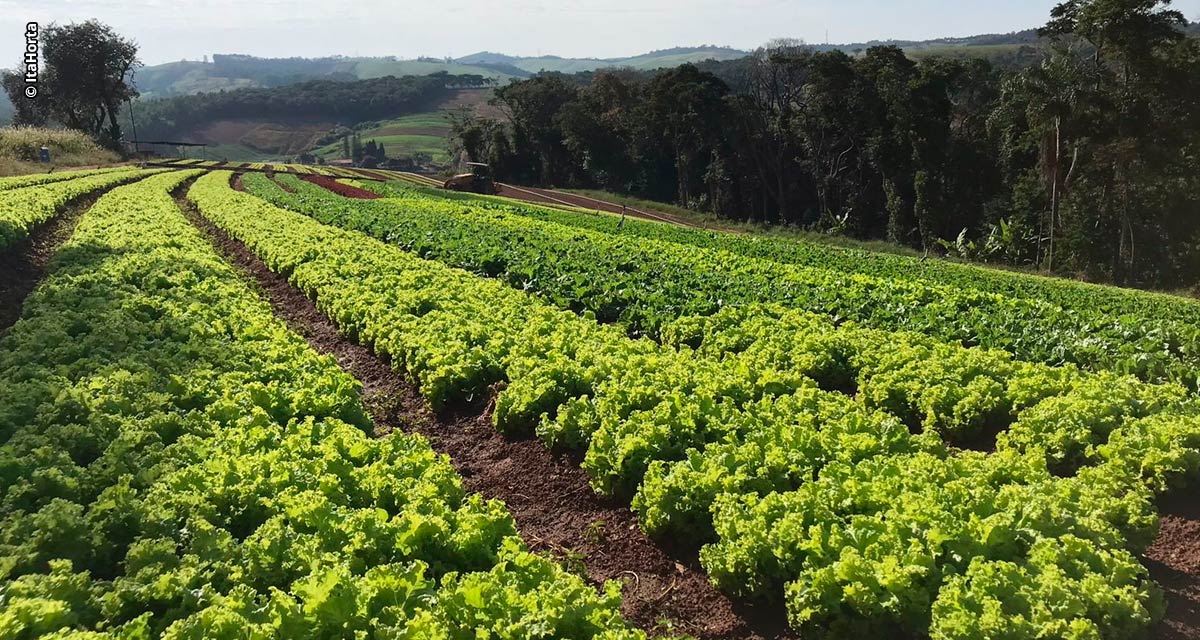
(85, 78)
(1052, 107)
(889, 144)
(775, 81)
(534, 107)
(599, 131)
(1135, 140)
(685, 108)
(1125, 30)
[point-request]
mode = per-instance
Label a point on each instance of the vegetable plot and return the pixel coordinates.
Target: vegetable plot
(736, 433)
(178, 464)
(1069, 294)
(16, 182)
(644, 283)
(21, 209)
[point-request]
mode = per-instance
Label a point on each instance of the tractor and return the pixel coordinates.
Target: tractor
(478, 181)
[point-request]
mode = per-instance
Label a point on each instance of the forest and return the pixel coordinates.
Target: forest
(339, 101)
(1082, 163)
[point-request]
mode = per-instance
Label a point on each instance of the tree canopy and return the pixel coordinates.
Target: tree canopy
(1082, 162)
(84, 80)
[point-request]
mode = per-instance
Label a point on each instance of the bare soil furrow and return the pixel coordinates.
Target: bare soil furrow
(23, 264)
(548, 494)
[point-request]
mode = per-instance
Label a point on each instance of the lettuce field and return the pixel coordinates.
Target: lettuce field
(271, 405)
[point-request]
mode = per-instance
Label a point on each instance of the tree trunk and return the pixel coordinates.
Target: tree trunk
(1054, 187)
(784, 213)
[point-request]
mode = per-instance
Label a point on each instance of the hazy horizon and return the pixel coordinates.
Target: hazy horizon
(170, 31)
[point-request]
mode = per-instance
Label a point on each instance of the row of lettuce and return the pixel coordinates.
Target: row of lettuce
(643, 283)
(1067, 293)
(735, 431)
(335, 172)
(175, 463)
(28, 201)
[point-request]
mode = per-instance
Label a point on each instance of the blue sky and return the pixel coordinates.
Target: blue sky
(168, 30)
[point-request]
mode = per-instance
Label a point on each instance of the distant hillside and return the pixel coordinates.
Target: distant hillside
(1016, 49)
(645, 62)
(231, 71)
(235, 71)
(1028, 36)
(273, 123)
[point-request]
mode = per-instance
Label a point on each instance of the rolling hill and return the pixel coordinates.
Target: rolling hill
(645, 62)
(227, 71)
(230, 71)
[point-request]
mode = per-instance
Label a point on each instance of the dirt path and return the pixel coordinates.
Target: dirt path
(549, 497)
(344, 190)
(1174, 562)
(23, 264)
(561, 198)
(280, 184)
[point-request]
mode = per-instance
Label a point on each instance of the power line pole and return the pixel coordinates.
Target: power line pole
(137, 149)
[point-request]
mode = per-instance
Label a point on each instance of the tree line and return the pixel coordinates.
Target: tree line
(1083, 163)
(339, 101)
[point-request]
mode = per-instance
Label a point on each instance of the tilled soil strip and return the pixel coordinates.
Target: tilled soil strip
(282, 185)
(1174, 562)
(548, 495)
(344, 190)
(23, 264)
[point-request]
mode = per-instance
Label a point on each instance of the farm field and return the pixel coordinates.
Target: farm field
(402, 137)
(295, 401)
(610, 275)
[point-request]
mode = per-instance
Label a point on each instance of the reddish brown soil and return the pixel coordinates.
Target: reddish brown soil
(1174, 562)
(341, 189)
(23, 264)
(236, 183)
(282, 135)
(549, 497)
(477, 100)
(550, 196)
(281, 185)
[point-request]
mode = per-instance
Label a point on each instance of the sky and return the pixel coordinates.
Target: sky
(166, 31)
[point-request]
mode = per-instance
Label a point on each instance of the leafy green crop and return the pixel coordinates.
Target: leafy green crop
(16, 182)
(740, 431)
(1069, 294)
(177, 464)
(643, 283)
(21, 209)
